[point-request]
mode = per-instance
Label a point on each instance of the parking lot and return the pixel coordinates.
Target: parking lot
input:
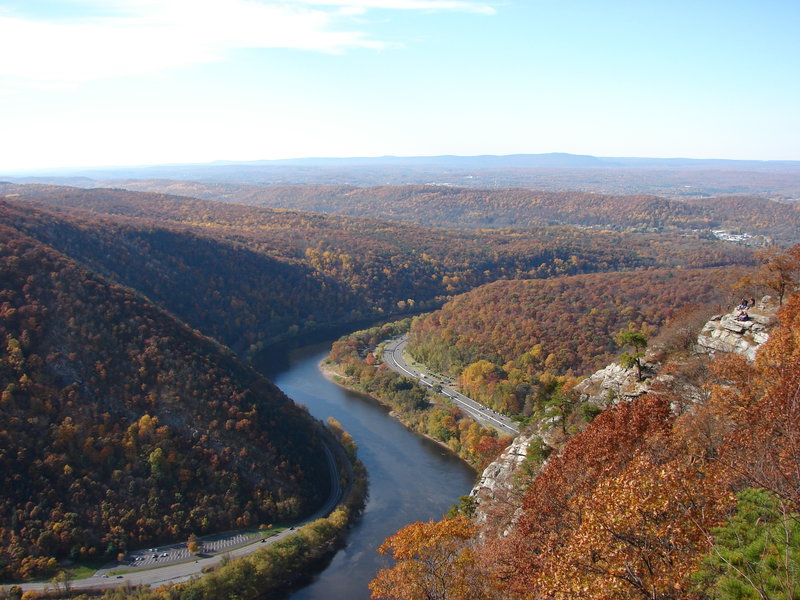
(177, 553)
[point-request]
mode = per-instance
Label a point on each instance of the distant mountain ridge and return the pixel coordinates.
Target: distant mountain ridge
(670, 177)
(483, 161)
(549, 159)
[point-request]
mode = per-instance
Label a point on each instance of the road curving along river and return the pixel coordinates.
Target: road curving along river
(410, 477)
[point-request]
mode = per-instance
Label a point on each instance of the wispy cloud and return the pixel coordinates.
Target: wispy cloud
(420, 5)
(130, 37)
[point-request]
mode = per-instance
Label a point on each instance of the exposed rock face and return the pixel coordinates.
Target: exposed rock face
(498, 491)
(726, 333)
(611, 384)
(722, 333)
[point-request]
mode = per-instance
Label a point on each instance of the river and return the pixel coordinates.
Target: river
(410, 477)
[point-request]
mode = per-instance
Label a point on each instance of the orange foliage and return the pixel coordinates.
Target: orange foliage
(107, 422)
(249, 275)
(626, 510)
(434, 561)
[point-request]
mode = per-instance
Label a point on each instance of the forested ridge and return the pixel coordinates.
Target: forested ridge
(628, 507)
(573, 317)
(452, 206)
(121, 427)
(516, 346)
(235, 294)
(249, 275)
(504, 339)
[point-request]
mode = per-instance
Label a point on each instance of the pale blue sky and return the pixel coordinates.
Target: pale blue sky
(119, 82)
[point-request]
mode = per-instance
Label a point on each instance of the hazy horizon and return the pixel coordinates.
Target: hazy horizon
(478, 161)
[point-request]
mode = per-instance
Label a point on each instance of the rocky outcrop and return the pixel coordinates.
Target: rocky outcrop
(733, 334)
(722, 333)
(496, 493)
(611, 384)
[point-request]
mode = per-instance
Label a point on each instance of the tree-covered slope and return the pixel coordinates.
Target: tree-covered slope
(233, 293)
(120, 426)
(643, 502)
(248, 275)
(452, 206)
(506, 337)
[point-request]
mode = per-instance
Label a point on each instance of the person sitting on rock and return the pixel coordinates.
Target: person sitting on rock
(742, 316)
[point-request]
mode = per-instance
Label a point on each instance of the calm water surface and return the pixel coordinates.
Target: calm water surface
(410, 478)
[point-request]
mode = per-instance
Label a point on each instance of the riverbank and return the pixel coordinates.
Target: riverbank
(410, 478)
(355, 364)
(332, 375)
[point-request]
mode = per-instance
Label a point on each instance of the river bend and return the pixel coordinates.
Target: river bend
(410, 477)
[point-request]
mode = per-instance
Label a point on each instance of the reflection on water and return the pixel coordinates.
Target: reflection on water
(410, 478)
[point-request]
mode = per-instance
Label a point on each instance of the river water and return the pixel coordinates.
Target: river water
(410, 477)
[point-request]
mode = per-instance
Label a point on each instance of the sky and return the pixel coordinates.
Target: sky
(134, 82)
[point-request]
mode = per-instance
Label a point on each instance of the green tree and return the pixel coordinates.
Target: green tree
(560, 405)
(756, 554)
(636, 342)
(157, 461)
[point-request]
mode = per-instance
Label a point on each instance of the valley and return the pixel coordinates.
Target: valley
(399, 300)
(133, 321)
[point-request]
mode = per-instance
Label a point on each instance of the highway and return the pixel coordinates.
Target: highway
(393, 357)
(174, 564)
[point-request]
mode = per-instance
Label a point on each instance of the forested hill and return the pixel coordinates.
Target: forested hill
(226, 290)
(121, 427)
(447, 206)
(670, 475)
(248, 275)
(512, 343)
(571, 320)
(126, 420)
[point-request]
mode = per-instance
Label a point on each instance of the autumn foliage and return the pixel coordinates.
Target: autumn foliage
(452, 206)
(354, 357)
(632, 505)
(251, 276)
(125, 419)
(508, 340)
(121, 427)
(434, 561)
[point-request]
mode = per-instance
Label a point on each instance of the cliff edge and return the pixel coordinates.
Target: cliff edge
(498, 490)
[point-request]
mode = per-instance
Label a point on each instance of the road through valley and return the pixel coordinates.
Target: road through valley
(393, 356)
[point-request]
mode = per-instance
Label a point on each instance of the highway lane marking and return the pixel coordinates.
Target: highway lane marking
(467, 404)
